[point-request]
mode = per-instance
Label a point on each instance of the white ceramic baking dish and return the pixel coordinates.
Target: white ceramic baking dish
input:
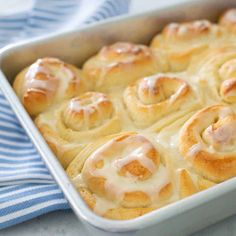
(180, 218)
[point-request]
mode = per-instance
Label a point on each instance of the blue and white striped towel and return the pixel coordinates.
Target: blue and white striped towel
(27, 189)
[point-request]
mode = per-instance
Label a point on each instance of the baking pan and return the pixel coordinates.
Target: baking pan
(180, 218)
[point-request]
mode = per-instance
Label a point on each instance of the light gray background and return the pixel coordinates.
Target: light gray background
(65, 223)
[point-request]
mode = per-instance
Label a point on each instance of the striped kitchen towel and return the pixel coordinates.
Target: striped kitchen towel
(27, 189)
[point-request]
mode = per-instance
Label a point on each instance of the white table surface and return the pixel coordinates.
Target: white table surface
(64, 223)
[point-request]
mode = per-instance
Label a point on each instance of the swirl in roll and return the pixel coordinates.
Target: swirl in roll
(154, 97)
(208, 142)
(218, 72)
(179, 42)
(187, 181)
(119, 64)
(77, 122)
(123, 178)
(46, 82)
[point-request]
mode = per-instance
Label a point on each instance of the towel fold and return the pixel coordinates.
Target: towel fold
(27, 189)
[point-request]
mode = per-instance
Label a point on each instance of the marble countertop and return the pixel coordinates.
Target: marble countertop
(64, 223)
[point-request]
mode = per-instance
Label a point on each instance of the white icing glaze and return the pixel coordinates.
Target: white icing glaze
(176, 95)
(171, 28)
(222, 134)
(151, 82)
(224, 112)
(228, 69)
(36, 68)
(123, 48)
(174, 140)
(229, 83)
(78, 181)
(231, 16)
(154, 95)
(183, 30)
(202, 23)
(50, 82)
(32, 82)
(123, 58)
(102, 205)
(88, 106)
(119, 185)
(76, 106)
(42, 85)
(137, 155)
(194, 150)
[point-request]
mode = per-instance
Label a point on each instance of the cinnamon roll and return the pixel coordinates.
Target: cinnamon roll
(188, 181)
(46, 82)
(70, 126)
(179, 42)
(126, 173)
(208, 142)
(155, 97)
(119, 64)
(217, 73)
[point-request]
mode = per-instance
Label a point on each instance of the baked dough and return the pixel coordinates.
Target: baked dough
(46, 82)
(179, 42)
(124, 171)
(71, 125)
(155, 97)
(141, 127)
(216, 74)
(119, 64)
(208, 142)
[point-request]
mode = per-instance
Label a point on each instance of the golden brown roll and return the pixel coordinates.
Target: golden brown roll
(228, 20)
(122, 177)
(179, 42)
(187, 181)
(155, 97)
(119, 64)
(70, 126)
(46, 82)
(217, 73)
(208, 142)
